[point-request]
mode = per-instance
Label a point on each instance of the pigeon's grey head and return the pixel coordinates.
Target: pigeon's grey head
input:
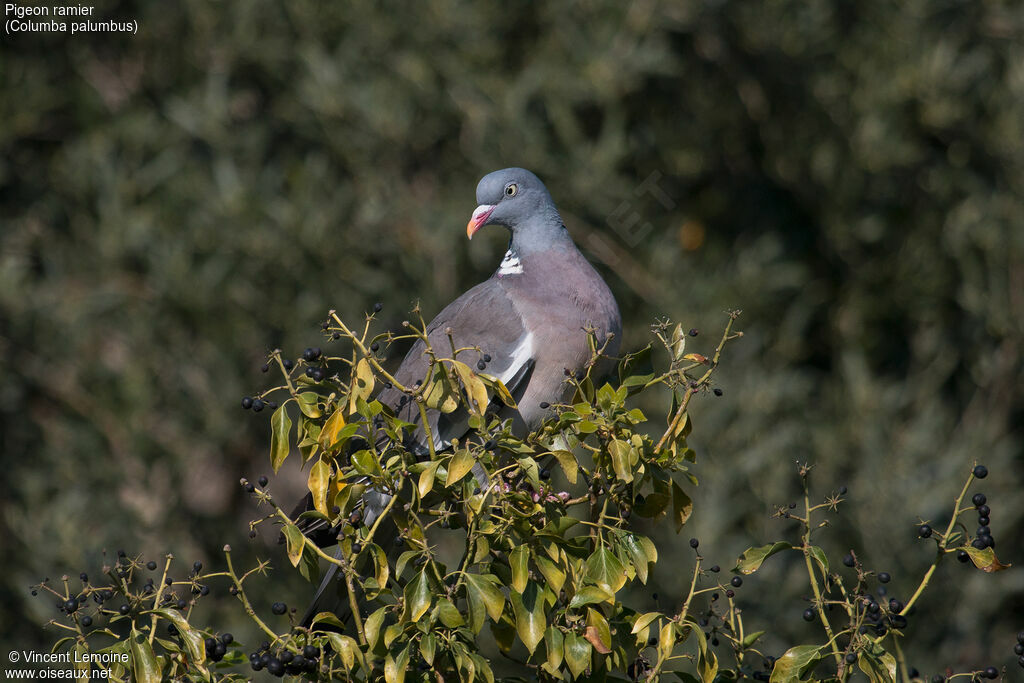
(517, 199)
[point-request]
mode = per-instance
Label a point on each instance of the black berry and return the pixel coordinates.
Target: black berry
(288, 363)
(278, 608)
(737, 581)
(247, 402)
(849, 561)
(842, 490)
(124, 609)
(979, 499)
(809, 614)
(984, 511)
(962, 555)
(980, 472)
(924, 531)
(378, 307)
(884, 577)
(717, 391)
(257, 405)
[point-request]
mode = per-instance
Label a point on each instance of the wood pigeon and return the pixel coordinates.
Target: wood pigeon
(529, 320)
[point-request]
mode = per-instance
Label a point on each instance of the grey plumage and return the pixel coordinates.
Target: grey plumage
(530, 317)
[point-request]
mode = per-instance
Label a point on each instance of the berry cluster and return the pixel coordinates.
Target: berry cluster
(285, 661)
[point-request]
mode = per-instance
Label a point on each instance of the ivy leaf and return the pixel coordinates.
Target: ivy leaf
(577, 654)
(552, 573)
(295, 541)
(346, 647)
(637, 555)
(619, 452)
(439, 394)
(417, 596)
(598, 632)
(362, 383)
(449, 614)
(319, 481)
(554, 643)
(682, 506)
(476, 390)
(191, 638)
(751, 638)
(643, 621)
(528, 608)
(796, 662)
(589, 595)
(605, 570)
(426, 481)
(985, 560)
(395, 666)
(483, 595)
(428, 645)
(752, 558)
(568, 463)
(145, 665)
(307, 402)
(877, 664)
(519, 559)
(332, 429)
(819, 556)
(459, 466)
(280, 427)
(371, 627)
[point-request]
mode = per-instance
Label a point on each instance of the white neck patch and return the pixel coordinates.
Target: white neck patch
(510, 264)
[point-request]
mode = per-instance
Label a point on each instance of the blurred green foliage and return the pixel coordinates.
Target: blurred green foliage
(176, 203)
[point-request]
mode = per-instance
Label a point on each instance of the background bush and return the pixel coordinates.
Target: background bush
(176, 203)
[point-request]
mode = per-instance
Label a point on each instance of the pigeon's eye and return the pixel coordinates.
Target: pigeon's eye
(510, 190)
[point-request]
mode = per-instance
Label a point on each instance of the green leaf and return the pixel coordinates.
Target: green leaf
(554, 643)
(459, 466)
(307, 402)
(280, 428)
(193, 640)
(877, 664)
(426, 481)
(605, 570)
(428, 646)
(589, 595)
(796, 662)
(328, 618)
(637, 555)
(499, 388)
(552, 573)
(519, 560)
(751, 638)
(483, 595)
(819, 556)
(752, 558)
(682, 506)
(145, 666)
(417, 596)
(619, 452)
(395, 667)
(577, 654)
(568, 463)
(295, 541)
(643, 621)
(667, 640)
(365, 462)
(319, 482)
(449, 614)
(528, 608)
(371, 627)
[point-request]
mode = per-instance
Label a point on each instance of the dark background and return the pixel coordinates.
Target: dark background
(178, 202)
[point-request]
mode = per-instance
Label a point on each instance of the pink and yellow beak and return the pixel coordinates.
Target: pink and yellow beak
(479, 219)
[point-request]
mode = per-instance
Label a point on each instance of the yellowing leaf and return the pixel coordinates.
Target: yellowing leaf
(319, 482)
(329, 434)
(569, 465)
(577, 654)
(459, 466)
(476, 391)
(295, 541)
(598, 633)
(280, 427)
(519, 559)
(307, 402)
(605, 570)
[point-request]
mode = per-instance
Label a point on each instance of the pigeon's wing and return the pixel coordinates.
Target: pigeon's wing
(483, 318)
